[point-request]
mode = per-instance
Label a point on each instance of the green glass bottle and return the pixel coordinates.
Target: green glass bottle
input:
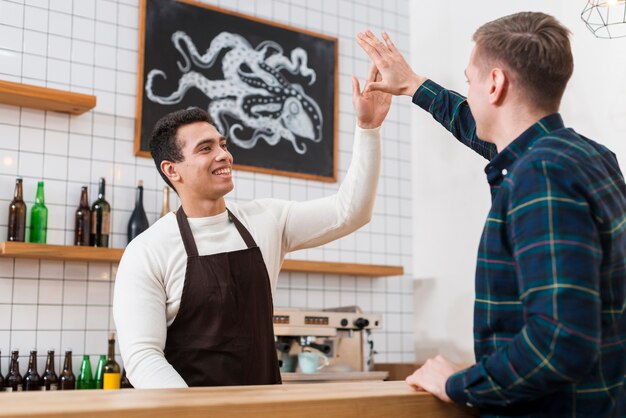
(85, 377)
(100, 371)
(39, 217)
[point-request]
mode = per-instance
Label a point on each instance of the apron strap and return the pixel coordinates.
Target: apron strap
(185, 232)
(242, 230)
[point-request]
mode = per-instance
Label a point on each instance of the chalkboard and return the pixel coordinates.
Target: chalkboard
(271, 89)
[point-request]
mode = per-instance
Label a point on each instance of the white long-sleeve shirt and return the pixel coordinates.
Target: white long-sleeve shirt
(151, 274)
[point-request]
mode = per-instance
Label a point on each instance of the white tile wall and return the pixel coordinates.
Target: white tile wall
(91, 46)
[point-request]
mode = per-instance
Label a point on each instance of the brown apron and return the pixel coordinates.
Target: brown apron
(223, 333)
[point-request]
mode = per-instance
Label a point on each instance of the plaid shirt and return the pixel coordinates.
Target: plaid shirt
(549, 314)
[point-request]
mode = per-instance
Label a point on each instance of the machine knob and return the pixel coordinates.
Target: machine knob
(361, 323)
(344, 322)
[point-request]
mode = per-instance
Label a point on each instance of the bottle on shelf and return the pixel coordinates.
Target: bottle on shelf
(13, 380)
(166, 201)
(32, 380)
(138, 221)
(49, 379)
(125, 383)
(100, 218)
(1, 377)
(112, 378)
(67, 378)
(85, 377)
(17, 215)
(82, 220)
(39, 217)
(99, 371)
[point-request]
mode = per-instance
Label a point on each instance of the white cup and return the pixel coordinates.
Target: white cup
(311, 362)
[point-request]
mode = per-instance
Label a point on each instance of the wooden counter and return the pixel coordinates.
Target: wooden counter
(328, 400)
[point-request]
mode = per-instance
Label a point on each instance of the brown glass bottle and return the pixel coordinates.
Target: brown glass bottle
(50, 381)
(13, 380)
(32, 380)
(17, 215)
(67, 378)
(125, 383)
(100, 218)
(111, 375)
(82, 220)
(1, 377)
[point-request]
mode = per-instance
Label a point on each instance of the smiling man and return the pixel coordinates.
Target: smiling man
(193, 294)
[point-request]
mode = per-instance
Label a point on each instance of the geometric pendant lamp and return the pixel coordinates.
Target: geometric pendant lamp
(605, 18)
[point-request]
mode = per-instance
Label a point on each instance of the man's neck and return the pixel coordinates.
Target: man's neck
(515, 123)
(195, 208)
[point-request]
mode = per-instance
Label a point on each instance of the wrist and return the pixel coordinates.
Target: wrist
(414, 83)
(368, 125)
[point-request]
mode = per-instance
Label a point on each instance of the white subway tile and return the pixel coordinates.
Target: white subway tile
(49, 317)
(60, 24)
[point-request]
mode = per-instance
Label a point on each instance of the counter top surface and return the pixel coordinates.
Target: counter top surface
(347, 399)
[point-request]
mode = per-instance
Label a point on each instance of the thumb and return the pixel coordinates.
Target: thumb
(356, 87)
(375, 86)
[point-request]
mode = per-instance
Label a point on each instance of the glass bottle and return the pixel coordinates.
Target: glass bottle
(100, 218)
(85, 377)
(111, 368)
(68, 380)
(1, 377)
(32, 380)
(17, 215)
(100, 371)
(82, 220)
(166, 201)
(138, 221)
(49, 379)
(13, 380)
(125, 383)
(39, 217)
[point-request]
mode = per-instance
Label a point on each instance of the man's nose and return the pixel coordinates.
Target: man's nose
(223, 155)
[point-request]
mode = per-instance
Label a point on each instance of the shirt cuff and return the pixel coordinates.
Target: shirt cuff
(426, 94)
(455, 389)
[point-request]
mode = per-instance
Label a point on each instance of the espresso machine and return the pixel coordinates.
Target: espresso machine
(342, 335)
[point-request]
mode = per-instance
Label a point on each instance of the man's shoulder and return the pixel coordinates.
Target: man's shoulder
(156, 236)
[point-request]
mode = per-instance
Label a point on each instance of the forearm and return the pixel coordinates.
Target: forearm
(451, 110)
(140, 321)
(320, 221)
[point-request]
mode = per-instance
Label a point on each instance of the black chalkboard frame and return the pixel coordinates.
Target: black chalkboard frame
(330, 165)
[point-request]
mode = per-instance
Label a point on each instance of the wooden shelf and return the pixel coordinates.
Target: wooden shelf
(36, 97)
(113, 255)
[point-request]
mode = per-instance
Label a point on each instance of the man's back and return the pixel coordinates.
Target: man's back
(562, 203)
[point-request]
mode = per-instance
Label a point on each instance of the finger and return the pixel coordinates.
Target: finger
(390, 45)
(356, 87)
(375, 86)
(413, 382)
(373, 73)
(376, 43)
(367, 47)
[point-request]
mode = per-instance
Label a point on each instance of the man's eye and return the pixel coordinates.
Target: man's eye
(225, 145)
(206, 149)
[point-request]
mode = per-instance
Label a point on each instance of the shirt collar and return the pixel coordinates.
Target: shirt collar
(501, 163)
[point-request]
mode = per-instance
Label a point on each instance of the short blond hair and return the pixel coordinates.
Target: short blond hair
(535, 48)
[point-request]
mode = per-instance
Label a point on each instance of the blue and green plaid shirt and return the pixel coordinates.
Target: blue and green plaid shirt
(549, 314)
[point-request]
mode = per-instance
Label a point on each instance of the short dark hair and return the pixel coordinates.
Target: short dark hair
(535, 47)
(164, 145)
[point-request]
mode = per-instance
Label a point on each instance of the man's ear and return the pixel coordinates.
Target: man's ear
(169, 169)
(499, 86)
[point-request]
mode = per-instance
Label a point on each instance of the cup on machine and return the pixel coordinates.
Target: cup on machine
(311, 361)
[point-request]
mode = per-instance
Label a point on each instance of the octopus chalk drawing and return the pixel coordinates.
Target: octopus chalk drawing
(254, 92)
